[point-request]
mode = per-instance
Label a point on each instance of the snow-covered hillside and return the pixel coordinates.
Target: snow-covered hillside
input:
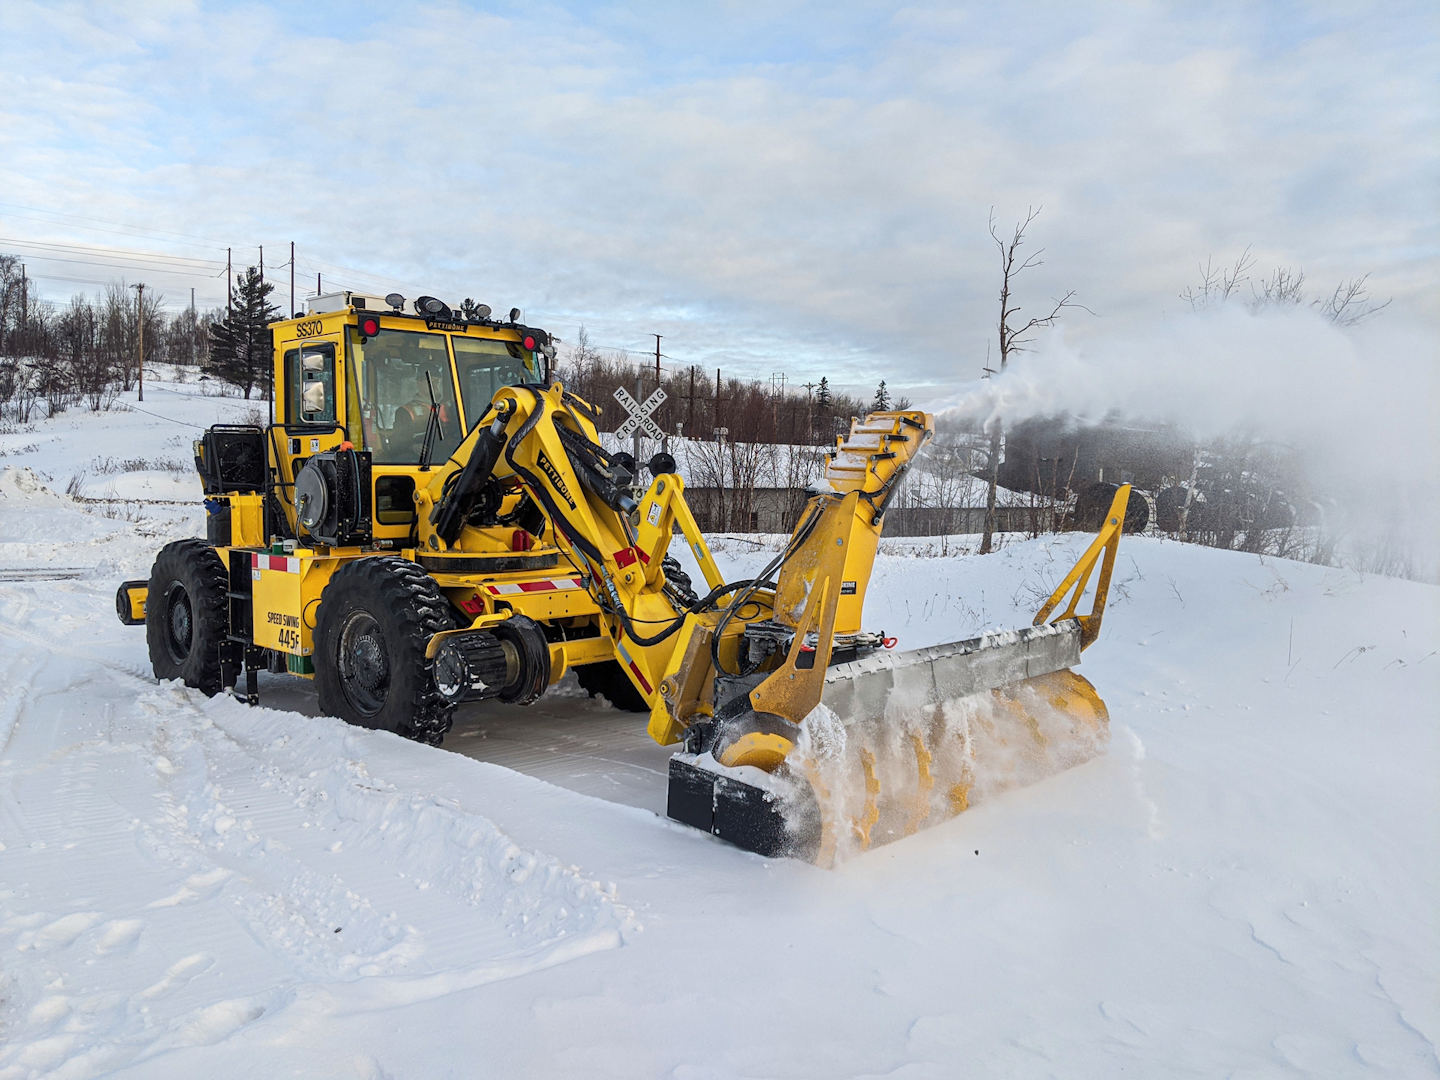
(1243, 886)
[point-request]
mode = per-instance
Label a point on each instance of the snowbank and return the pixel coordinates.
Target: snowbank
(1243, 884)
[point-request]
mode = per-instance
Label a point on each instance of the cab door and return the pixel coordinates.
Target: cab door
(310, 405)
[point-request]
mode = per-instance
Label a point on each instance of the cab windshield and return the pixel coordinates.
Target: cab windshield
(398, 376)
(485, 365)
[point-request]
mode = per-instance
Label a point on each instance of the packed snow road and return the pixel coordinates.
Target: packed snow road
(1243, 886)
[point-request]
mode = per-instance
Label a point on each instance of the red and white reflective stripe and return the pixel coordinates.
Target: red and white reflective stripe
(547, 585)
(286, 564)
(630, 663)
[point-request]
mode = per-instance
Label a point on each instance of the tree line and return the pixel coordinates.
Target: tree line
(704, 405)
(86, 351)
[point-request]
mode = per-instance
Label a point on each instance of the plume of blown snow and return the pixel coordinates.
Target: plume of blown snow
(1358, 404)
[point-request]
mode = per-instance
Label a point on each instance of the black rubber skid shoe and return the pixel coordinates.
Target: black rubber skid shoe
(757, 819)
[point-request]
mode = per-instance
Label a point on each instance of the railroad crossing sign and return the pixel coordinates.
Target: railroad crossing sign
(639, 418)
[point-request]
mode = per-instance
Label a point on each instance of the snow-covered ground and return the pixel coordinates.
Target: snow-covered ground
(1245, 885)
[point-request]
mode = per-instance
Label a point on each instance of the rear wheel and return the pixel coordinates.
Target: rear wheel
(609, 678)
(185, 619)
(376, 617)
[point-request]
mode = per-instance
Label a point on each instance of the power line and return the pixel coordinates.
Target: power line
(145, 267)
(140, 261)
(105, 221)
(109, 252)
(167, 304)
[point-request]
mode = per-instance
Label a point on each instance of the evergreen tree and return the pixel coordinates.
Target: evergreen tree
(882, 398)
(823, 398)
(240, 343)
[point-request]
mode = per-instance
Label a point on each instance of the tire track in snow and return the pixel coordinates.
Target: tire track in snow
(233, 862)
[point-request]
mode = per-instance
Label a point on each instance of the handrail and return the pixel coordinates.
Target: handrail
(1079, 576)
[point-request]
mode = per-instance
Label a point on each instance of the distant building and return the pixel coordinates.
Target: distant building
(1054, 456)
(761, 488)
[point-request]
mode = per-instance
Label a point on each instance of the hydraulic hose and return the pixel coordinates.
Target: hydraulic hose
(700, 605)
(449, 517)
(797, 541)
(564, 527)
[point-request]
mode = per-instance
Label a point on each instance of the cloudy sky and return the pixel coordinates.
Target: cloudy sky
(777, 186)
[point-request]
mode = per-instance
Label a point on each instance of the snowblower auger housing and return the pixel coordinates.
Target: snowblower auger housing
(429, 520)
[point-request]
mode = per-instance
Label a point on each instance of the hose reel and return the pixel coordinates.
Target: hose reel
(332, 497)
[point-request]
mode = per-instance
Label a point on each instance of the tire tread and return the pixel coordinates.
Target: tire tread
(199, 567)
(403, 597)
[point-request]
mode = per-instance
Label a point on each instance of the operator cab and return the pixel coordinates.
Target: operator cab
(401, 381)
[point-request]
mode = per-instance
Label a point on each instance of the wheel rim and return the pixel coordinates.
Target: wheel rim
(179, 623)
(363, 663)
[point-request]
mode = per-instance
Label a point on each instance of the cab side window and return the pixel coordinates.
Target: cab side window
(310, 383)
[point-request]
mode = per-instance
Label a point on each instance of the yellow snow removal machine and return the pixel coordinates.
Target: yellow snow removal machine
(430, 520)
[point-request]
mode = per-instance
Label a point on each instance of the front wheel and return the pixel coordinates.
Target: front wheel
(185, 618)
(376, 616)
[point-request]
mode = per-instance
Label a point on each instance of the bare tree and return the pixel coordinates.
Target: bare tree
(1283, 288)
(1014, 338)
(1218, 284)
(1349, 303)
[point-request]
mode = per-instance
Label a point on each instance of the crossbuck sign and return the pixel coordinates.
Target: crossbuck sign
(639, 418)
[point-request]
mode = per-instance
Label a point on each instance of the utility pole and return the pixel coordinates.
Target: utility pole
(657, 363)
(140, 337)
(777, 391)
(639, 396)
(690, 421)
(262, 264)
(229, 309)
(717, 397)
(292, 279)
(317, 283)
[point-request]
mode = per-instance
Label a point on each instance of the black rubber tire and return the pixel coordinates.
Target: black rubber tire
(609, 678)
(528, 638)
(375, 618)
(185, 617)
(1168, 506)
(1093, 503)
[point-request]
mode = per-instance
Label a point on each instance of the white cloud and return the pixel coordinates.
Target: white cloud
(783, 188)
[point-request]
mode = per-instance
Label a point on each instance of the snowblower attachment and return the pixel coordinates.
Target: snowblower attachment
(817, 760)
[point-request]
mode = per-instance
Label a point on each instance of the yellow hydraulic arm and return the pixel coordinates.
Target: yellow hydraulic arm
(1107, 541)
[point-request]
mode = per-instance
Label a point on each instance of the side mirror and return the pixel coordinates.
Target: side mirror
(312, 399)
